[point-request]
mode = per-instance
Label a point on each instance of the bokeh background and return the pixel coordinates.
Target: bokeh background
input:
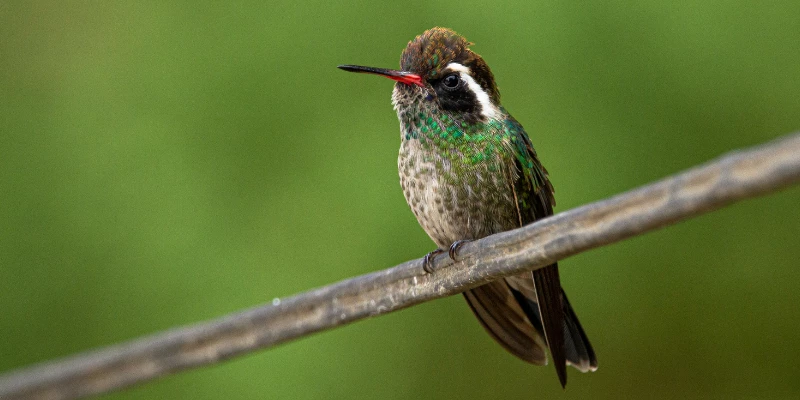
(163, 163)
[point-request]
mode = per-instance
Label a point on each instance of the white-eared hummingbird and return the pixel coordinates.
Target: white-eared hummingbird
(469, 170)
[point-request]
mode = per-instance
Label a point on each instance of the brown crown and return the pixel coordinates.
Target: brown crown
(429, 53)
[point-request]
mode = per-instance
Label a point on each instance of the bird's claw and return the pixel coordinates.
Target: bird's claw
(427, 262)
(454, 248)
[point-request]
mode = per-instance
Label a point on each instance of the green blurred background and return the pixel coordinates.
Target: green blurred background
(162, 164)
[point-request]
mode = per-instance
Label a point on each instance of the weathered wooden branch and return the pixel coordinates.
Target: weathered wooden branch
(736, 176)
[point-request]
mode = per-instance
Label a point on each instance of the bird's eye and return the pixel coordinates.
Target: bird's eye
(451, 81)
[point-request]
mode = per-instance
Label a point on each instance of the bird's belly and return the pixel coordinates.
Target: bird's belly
(450, 206)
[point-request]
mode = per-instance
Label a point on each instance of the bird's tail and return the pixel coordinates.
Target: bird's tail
(579, 351)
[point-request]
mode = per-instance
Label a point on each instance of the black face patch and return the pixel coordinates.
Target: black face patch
(455, 97)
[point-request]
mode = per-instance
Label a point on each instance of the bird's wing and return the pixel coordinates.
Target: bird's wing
(510, 309)
(536, 200)
(502, 316)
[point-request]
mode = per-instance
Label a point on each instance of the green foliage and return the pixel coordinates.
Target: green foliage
(166, 163)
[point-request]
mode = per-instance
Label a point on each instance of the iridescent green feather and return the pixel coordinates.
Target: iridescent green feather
(492, 145)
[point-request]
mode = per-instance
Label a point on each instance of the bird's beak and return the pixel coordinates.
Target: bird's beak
(401, 76)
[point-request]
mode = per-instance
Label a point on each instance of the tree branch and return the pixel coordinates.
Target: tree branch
(736, 176)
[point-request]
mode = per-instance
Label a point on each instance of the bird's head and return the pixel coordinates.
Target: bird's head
(439, 67)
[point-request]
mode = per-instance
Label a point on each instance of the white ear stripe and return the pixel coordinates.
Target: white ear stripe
(488, 109)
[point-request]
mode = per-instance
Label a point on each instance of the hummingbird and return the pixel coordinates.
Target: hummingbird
(468, 170)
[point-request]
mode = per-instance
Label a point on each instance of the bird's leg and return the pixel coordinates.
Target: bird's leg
(427, 262)
(454, 248)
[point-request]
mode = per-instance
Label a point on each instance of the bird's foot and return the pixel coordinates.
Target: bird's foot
(454, 248)
(427, 262)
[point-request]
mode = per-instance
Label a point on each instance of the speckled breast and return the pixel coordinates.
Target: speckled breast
(453, 200)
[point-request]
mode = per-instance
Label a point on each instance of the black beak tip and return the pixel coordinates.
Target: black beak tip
(348, 68)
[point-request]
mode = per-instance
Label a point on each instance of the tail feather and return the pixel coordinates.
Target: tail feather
(508, 309)
(580, 353)
(578, 350)
(551, 311)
